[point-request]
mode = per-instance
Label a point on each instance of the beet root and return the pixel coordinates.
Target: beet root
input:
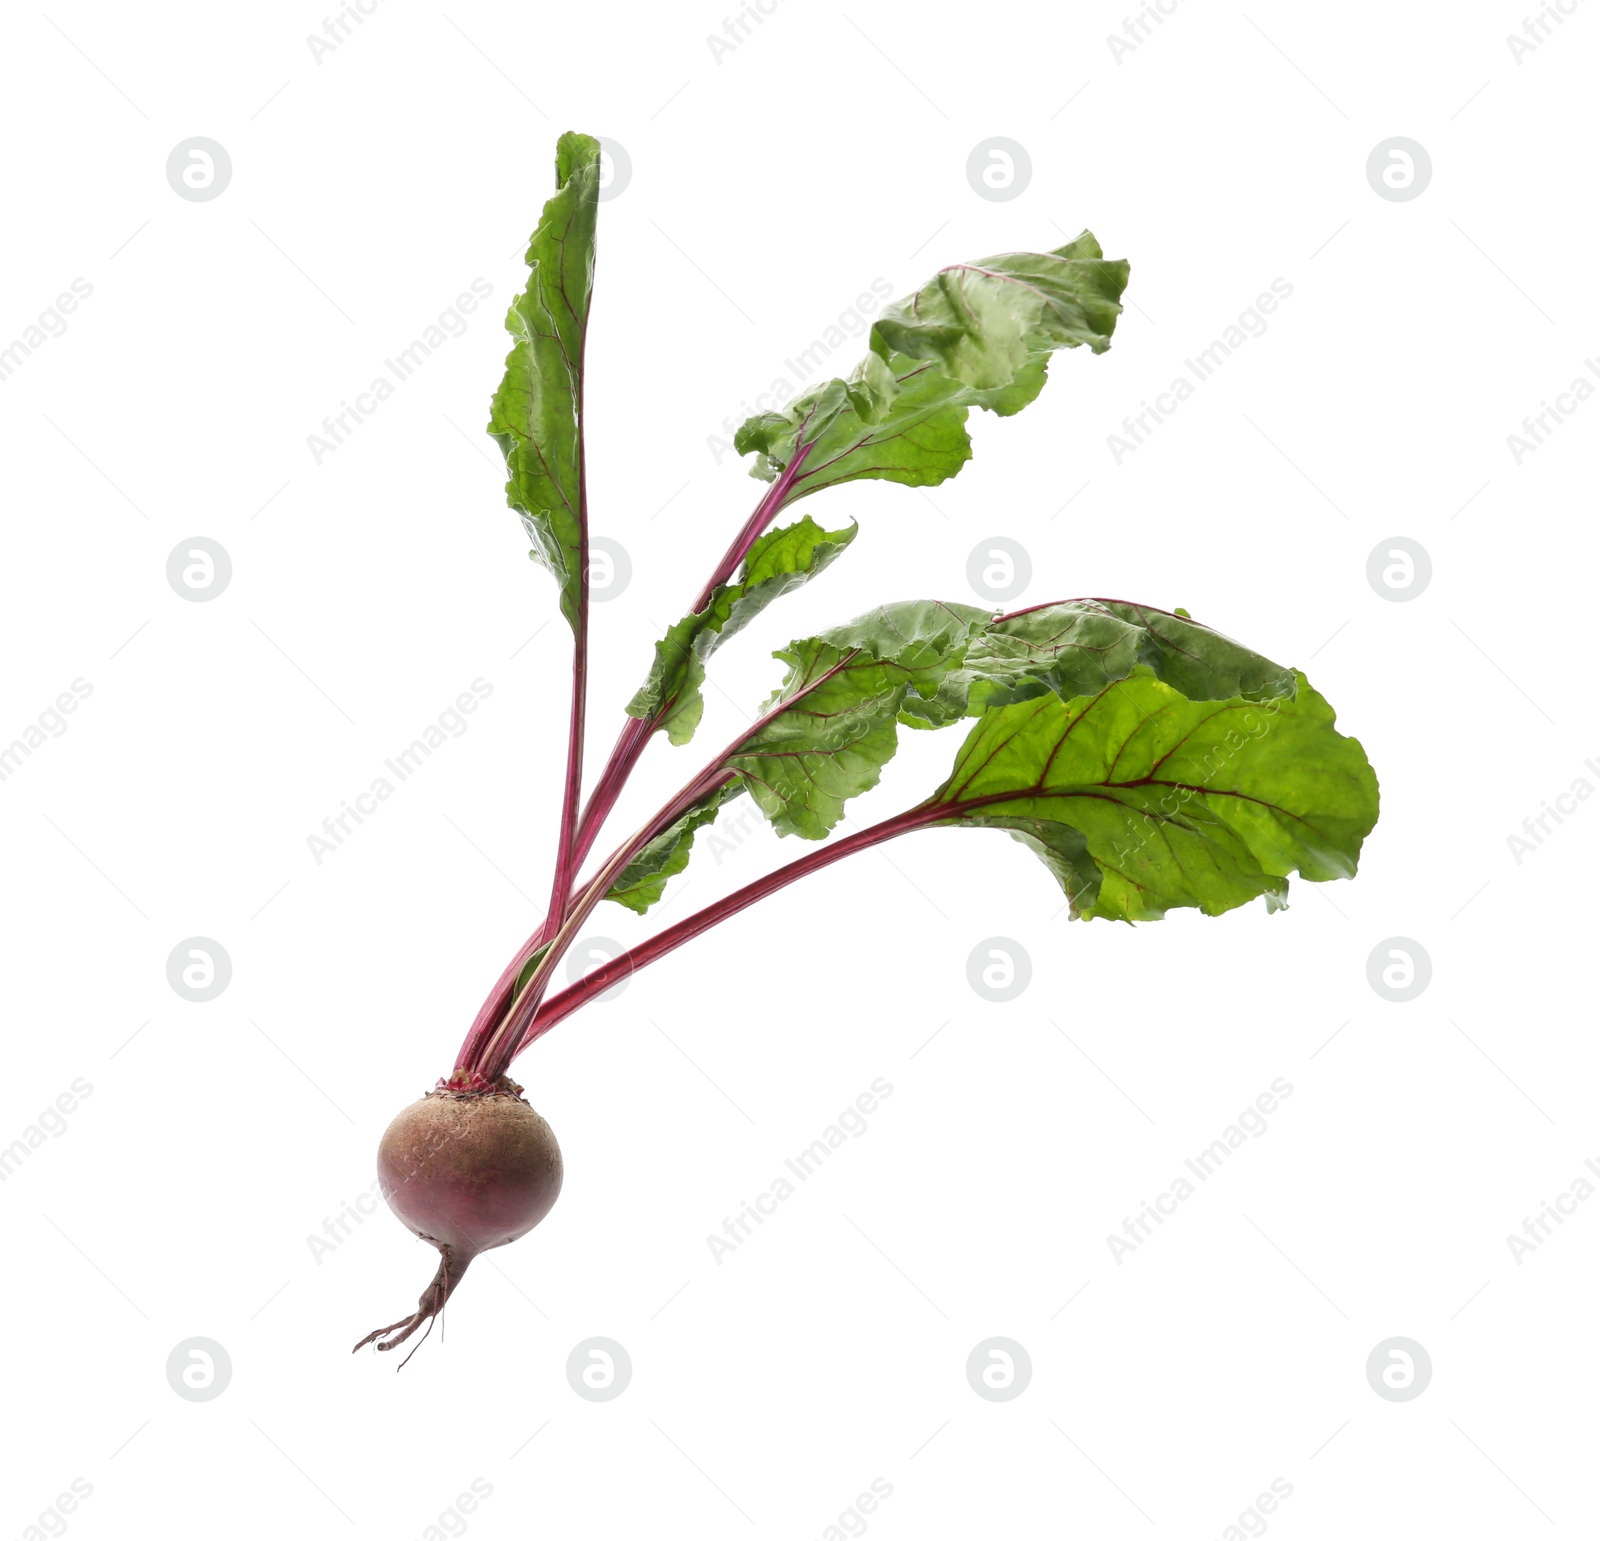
(466, 1171)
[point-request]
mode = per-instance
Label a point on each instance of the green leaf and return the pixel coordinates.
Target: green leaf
(644, 879)
(536, 414)
(1076, 647)
(871, 389)
(981, 322)
(832, 723)
(826, 732)
(978, 334)
(1140, 800)
(777, 562)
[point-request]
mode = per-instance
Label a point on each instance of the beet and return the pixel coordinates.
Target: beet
(466, 1171)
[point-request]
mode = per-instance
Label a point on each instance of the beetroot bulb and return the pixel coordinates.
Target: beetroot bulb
(466, 1170)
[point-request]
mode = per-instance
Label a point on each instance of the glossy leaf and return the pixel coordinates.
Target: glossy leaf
(1140, 800)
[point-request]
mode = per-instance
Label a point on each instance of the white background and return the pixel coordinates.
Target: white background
(768, 190)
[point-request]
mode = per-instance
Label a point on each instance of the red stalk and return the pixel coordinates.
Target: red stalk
(639, 731)
(566, 864)
(577, 839)
(764, 513)
(502, 1045)
(498, 1050)
(566, 858)
(561, 1006)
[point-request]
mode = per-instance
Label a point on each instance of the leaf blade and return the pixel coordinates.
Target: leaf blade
(779, 561)
(939, 353)
(1141, 800)
(1075, 647)
(981, 321)
(832, 725)
(644, 880)
(536, 413)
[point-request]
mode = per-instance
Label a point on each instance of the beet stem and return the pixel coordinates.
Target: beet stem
(575, 843)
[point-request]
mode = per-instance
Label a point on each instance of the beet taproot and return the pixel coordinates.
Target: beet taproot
(466, 1171)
